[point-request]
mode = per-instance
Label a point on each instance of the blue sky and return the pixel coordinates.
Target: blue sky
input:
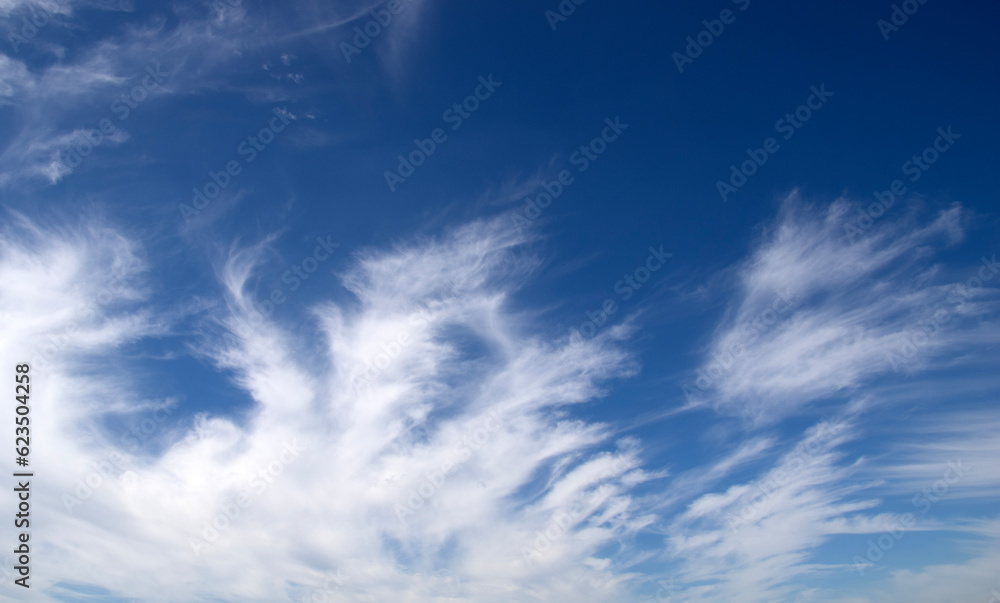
(437, 301)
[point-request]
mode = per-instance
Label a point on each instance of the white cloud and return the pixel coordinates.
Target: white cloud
(529, 502)
(756, 541)
(420, 440)
(47, 100)
(51, 6)
(961, 446)
(202, 46)
(818, 313)
(14, 77)
(752, 541)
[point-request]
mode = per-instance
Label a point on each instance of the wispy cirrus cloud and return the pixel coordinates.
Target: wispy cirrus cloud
(753, 540)
(819, 313)
(55, 99)
(392, 35)
(422, 472)
(758, 540)
(459, 469)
